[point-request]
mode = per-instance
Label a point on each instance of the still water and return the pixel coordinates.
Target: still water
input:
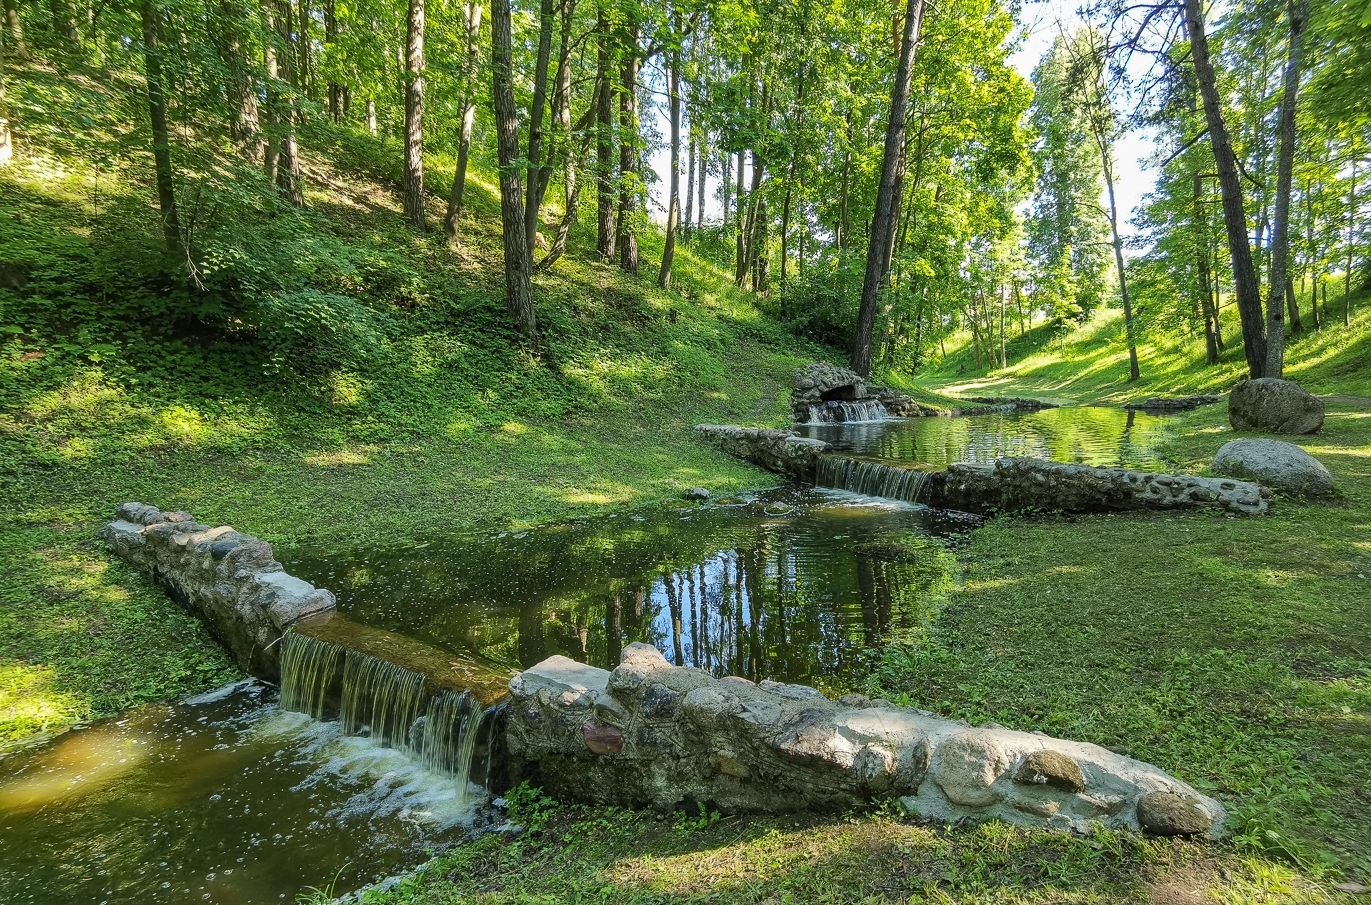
(796, 585)
(1089, 435)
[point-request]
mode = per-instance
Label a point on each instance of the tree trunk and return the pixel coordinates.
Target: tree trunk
(1245, 288)
(1202, 276)
(6, 140)
(740, 230)
(625, 230)
(16, 29)
(371, 117)
(303, 20)
(841, 239)
(703, 159)
(335, 90)
(245, 128)
(1351, 236)
(604, 136)
(414, 116)
(1285, 169)
(537, 111)
(883, 224)
(674, 191)
(1108, 166)
(64, 24)
(283, 161)
(472, 36)
(161, 141)
(518, 287)
(725, 188)
(689, 218)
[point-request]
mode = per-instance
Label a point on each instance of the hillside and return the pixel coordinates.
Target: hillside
(326, 374)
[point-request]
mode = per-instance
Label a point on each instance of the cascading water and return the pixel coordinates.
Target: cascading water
(380, 700)
(385, 702)
(846, 412)
(871, 478)
(309, 668)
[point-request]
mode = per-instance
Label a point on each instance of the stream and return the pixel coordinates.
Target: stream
(226, 797)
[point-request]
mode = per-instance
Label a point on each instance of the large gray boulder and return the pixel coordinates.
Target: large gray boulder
(1274, 406)
(1274, 463)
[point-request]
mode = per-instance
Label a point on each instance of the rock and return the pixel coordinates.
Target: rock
(828, 393)
(1163, 404)
(1274, 406)
(1053, 769)
(602, 740)
(1274, 463)
(967, 765)
(1010, 485)
(229, 579)
(782, 451)
(697, 493)
(1169, 814)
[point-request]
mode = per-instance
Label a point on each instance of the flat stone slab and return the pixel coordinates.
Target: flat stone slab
(1172, 403)
(650, 733)
(1274, 463)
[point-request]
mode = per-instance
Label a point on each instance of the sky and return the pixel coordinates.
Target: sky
(1040, 23)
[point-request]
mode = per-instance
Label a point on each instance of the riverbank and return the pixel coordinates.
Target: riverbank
(1231, 651)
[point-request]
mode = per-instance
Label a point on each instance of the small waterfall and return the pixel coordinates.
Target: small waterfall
(385, 702)
(846, 412)
(381, 700)
(448, 744)
(871, 478)
(309, 668)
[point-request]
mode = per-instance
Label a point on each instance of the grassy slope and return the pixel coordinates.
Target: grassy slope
(1091, 362)
(445, 426)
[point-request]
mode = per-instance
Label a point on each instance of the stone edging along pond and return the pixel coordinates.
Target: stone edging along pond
(649, 733)
(1008, 484)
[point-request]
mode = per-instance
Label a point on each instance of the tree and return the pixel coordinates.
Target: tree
(414, 115)
(518, 286)
(1245, 288)
(161, 141)
(883, 220)
(1088, 76)
(1298, 13)
(470, 60)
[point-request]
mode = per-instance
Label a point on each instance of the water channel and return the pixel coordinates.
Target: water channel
(229, 797)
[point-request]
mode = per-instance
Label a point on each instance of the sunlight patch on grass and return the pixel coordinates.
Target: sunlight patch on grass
(339, 457)
(30, 704)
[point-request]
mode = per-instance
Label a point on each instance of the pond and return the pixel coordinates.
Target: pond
(1090, 435)
(227, 798)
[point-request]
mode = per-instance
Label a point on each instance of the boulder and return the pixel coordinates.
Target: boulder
(1170, 814)
(1274, 406)
(1274, 463)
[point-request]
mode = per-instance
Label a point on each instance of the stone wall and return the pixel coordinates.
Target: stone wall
(1014, 484)
(782, 451)
(650, 733)
(229, 579)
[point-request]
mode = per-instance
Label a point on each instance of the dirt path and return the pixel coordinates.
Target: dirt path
(1360, 402)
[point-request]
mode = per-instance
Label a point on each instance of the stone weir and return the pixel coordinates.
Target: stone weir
(231, 580)
(1006, 485)
(650, 733)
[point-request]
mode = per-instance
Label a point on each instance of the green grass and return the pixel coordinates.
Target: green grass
(1090, 362)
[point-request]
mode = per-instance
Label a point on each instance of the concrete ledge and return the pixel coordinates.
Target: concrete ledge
(229, 579)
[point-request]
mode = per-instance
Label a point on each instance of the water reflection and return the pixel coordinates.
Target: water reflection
(794, 585)
(1085, 434)
(223, 799)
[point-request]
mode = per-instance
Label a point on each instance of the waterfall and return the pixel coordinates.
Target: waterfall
(385, 702)
(448, 742)
(871, 478)
(309, 668)
(845, 412)
(381, 700)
